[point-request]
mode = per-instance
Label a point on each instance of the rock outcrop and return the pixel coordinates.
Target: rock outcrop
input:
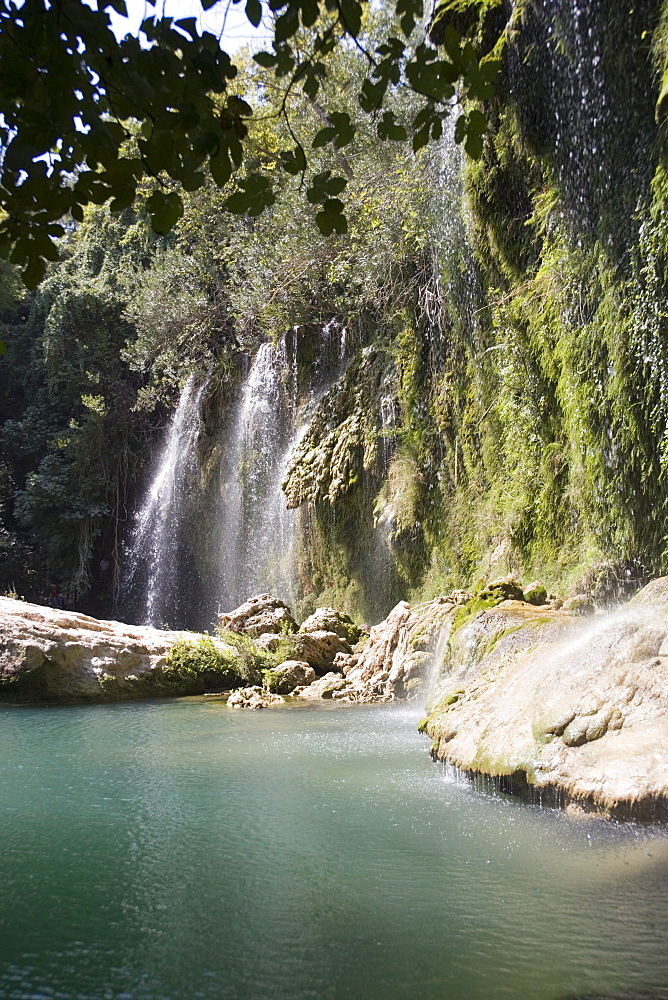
(329, 620)
(319, 649)
(402, 652)
(571, 711)
(259, 615)
(52, 655)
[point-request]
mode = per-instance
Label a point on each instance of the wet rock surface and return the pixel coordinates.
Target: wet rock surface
(574, 709)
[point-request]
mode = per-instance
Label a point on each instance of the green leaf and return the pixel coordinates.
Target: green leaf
(253, 196)
(34, 272)
(324, 136)
(165, 210)
(265, 59)
(389, 128)
(351, 16)
(409, 12)
(220, 167)
(331, 222)
(474, 146)
(254, 12)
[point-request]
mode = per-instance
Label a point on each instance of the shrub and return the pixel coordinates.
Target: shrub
(199, 665)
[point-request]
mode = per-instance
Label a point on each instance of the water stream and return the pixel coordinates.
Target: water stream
(156, 561)
(179, 850)
(256, 531)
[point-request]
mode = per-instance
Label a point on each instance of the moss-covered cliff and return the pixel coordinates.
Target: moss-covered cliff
(527, 374)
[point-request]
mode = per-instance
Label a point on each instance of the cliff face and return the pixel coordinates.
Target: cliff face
(514, 417)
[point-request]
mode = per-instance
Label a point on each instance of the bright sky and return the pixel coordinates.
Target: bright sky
(224, 17)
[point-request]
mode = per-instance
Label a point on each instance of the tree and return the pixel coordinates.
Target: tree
(88, 120)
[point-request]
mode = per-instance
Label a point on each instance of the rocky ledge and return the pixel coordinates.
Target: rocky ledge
(567, 711)
(51, 655)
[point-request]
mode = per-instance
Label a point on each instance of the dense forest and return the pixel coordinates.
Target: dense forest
(499, 403)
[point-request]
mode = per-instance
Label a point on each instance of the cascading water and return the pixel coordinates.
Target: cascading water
(256, 531)
(257, 534)
(156, 559)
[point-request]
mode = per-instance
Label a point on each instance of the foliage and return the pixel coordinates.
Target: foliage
(200, 663)
(164, 107)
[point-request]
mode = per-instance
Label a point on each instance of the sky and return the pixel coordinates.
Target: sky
(224, 17)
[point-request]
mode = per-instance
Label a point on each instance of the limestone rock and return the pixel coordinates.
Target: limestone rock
(324, 687)
(319, 648)
(580, 604)
(535, 593)
(254, 698)
(329, 620)
(268, 642)
(259, 615)
(288, 675)
(577, 709)
(52, 655)
(401, 654)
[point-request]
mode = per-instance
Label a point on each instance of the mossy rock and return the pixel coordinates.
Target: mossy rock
(535, 593)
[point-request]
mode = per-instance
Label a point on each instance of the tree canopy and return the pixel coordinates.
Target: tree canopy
(86, 119)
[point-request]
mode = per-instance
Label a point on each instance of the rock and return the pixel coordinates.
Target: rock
(504, 589)
(324, 687)
(259, 615)
(288, 675)
(52, 655)
(268, 642)
(539, 698)
(580, 604)
(401, 653)
(329, 620)
(344, 662)
(254, 697)
(319, 649)
(535, 593)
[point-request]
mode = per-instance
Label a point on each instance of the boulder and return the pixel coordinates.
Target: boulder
(504, 589)
(329, 620)
(580, 604)
(319, 649)
(535, 593)
(288, 675)
(259, 615)
(254, 697)
(51, 655)
(324, 687)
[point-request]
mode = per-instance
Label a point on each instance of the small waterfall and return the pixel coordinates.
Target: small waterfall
(156, 570)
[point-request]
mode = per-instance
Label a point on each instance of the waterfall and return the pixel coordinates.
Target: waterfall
(258, 537)
(155, 575)
(256, 531)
